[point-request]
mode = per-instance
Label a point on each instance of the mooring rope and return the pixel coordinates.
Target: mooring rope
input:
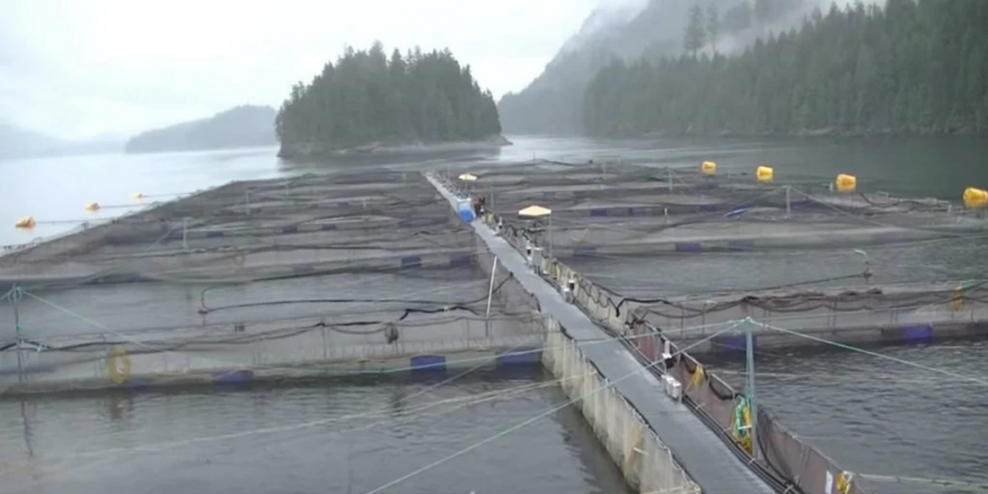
(607, 384)
(979, 380)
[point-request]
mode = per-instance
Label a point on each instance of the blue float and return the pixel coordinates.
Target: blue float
(693, 247)
(521, 356)
(233, 377)
(585, 251)
(735, 343)
(917, 334)
(433, 363)
(411, 262)
(458, 260)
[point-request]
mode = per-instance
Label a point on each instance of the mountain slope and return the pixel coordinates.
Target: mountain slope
(908, 68)
(16, 142)
(553, 102)
(242, 126)
(19, 143)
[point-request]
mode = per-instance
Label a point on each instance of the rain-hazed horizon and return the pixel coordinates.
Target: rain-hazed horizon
(106, 71)
(112, 69)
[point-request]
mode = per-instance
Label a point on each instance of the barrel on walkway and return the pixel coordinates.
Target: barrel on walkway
(465, 211)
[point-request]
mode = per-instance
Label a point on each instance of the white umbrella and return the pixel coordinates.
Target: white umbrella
(534, 212)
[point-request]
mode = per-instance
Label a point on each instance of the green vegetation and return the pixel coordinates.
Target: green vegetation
(910, 67)
(553, 102)
(713, 26)
(366, 98)
(696, 34)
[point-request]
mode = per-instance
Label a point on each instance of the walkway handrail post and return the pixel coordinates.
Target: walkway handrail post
(788, 202)
(750, 368)
(490, 290)
(15, 296)
(550, 238)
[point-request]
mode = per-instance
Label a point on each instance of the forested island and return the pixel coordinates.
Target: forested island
(365, 102)
(242, 126)
(910, 67)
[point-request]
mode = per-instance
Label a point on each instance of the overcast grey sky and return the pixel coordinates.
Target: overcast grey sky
(82, 68)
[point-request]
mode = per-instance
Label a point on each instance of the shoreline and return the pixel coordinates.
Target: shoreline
(316, 150)
(167, 150)
(803, 134)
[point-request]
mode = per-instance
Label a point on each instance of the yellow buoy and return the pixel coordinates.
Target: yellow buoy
(25, 222)
(843, 482)
(118, 365)
(975, 198)
(92, 207)
(764, 174)
(708, 167)
(137, 196)
(957, 300)
(846, 183)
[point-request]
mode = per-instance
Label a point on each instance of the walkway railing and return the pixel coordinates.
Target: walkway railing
(798, 466)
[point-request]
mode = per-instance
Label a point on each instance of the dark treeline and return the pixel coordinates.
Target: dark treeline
(364, 98)
(553, 102)
(910, 67)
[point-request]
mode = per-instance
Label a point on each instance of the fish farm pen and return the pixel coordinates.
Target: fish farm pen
(319, 274)
(667, 275)
(706, 248)
(679, 263)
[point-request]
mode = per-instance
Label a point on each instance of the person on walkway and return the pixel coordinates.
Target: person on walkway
(478, 205)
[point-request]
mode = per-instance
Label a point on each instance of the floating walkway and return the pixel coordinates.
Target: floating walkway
(700, 452)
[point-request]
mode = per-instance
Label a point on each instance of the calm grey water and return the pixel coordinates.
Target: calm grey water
(882, 417)
(55, 190)
(870, 415)
(335, 438)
